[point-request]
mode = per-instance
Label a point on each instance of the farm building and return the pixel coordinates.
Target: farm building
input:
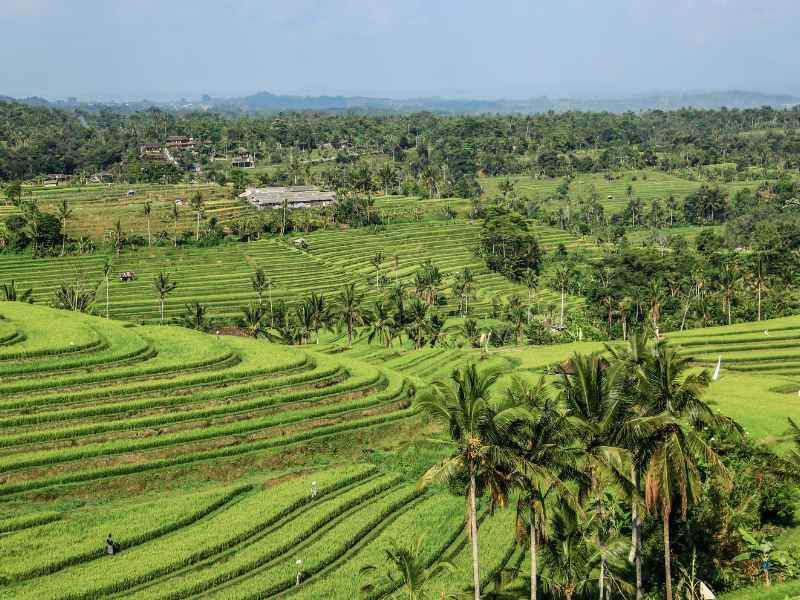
(246, 161)
(298, 196)
(151, 152)
(101, 177)
(55, 179)
(180, 142)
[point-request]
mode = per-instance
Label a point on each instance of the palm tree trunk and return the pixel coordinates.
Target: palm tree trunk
(636, 534)
(162, 311)
(197, 228)
(534, 563)
(562, 306)
(148, 231)
(63, 236)
(667, 559)
(473, 534)
(759, 302)
(106, 296)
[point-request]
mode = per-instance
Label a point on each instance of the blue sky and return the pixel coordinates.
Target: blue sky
(465, 48)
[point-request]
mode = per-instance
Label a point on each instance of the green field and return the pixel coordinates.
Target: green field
(220, 276)
(96, 207)
(613, 194)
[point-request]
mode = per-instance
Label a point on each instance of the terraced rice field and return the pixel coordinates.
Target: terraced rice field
(612, 194)
(95, 208)
(220, 277)
(89, 404)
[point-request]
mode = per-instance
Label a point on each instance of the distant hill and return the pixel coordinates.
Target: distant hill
(268, 102)
(265, 101)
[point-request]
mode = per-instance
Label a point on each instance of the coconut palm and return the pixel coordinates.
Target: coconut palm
(163, 286)
(531, 281)
(147, 209)
(463, 407)
(117, 237)
(387, 177)
(407, 571)
(63, 212)
(319, 312)
(417, 321)
(598, 411)
(176, 213)
(759, 279)
(382, 324)
(197, 203)
(106, 273)
(377, 261)
(349, 310)
(543, 437)
(252, 320)
(561, 278)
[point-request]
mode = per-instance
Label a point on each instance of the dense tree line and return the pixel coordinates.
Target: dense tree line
(454, 149)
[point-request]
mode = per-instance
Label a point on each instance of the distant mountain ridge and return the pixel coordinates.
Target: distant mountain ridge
(268, 102)
(265, 101)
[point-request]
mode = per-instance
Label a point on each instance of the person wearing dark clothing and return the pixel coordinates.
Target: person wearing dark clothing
(110, 548)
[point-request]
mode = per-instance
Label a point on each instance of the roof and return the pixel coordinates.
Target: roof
(298, 194)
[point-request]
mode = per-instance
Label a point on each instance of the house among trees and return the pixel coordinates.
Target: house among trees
(55, 179)
(151, 152)
(298, 196)
(244, 161)
(180, 142)
(101, 177)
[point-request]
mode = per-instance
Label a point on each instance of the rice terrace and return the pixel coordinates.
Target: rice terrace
(418, 347)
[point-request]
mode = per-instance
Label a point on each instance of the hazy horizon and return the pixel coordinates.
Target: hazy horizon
(145, 49)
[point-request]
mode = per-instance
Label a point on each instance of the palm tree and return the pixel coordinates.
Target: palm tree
(252, 320)
(463, 407)
(759, 277)
(163, 286)
(117, 237)
(418, 323)
(728, 280)
(195, 317)
(197, 202)
(377, 261)
(284, 208)
(671, 467)
(387, 177)
(598, 412)
(176, 213)
(349, 310)
(106, 273)
(567, 560)
(543, 437)
(531, 281)
(148, 209)
(382, 324)
(319, 312)
(63, 212)
(408, 571)
(562, 277)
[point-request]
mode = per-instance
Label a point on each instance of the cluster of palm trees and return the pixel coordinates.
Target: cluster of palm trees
(385, 320)
(621, 433)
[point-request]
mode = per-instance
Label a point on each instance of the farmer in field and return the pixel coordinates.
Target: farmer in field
(110, 545)
(313, 489)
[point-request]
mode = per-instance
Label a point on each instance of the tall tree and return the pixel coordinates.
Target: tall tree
(147, 209)
(562, 276)
(463, 408)
(176, 213)
(197, 203)
(349, 309)
(64, 213)
(377, 260)
(163, 286)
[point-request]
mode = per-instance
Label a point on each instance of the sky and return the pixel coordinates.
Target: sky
(161, 49)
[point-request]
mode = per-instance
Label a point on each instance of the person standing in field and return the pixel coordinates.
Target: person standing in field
(109, 545)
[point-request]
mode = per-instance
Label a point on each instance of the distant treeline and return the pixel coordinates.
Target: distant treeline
(38, 140)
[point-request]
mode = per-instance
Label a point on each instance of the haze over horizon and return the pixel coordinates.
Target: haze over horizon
(139, 49)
